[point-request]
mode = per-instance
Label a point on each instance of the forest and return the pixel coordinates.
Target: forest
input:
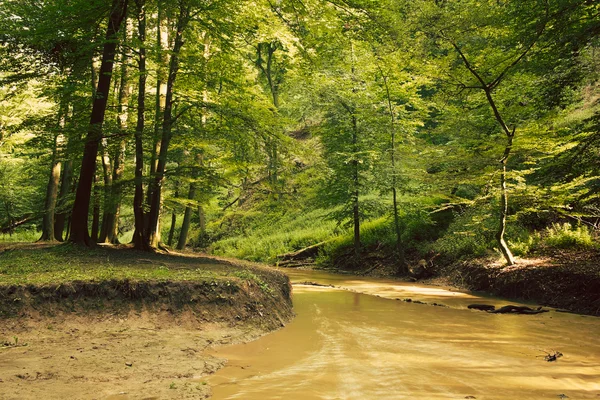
(254, 129)
(174, 173)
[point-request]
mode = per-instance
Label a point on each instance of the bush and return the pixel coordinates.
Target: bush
(470, 234)
(30, 234)
(290, 232)
(380, 233)
(563, 236)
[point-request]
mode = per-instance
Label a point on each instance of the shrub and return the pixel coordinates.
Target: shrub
(30, 234)
(564, 236)
(470, 234)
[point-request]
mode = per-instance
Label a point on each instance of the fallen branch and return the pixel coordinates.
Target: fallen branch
(12, 225)
(302, 254)
(510, 309)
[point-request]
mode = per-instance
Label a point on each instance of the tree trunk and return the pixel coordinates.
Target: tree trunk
(96, 213)
(202, 220)
(487, 89)
(355, 195)
(271, 143)
(162, 58)
(140, 234)
(51, 193)
(172, 229)
(61, 219)
(508, 256)
(118, 171)
(173, 220)
(79, 220)
(107, 175)
(112, 204)
(65, 189)
(187, 217)
(155, 205)
(402, 268)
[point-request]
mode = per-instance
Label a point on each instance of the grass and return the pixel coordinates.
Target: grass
(557, 236)
(292, 232)
(26, 235)
(65, 263)
(563, 236)
(58, 278)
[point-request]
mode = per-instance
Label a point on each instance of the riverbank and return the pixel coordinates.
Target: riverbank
(568, 280)
(119, 324)
(564, 279)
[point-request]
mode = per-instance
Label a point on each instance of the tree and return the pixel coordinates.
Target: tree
(140, 235)
(79, 223)
(482, 53)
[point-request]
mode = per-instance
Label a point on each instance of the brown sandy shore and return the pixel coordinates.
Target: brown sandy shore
(125, 337)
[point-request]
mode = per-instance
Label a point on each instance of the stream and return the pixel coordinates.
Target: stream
(361, 340)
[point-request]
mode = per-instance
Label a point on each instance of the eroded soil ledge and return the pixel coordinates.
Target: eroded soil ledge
(143, 333)
(564, 279)
(567, 280)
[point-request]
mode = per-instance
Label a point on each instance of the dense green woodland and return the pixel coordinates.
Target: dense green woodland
(406, 129)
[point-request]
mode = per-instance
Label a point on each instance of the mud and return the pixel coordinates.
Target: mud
(139, 356)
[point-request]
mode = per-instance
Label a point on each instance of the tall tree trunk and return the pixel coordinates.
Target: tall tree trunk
(79, 220)
(172, 229)
(356, 192)
(155, 205)
(510, 134)
(52, 192)
(187, 217)
(202, 220)
(271, 143)
(107, 175)
(96, 212)
(508, 256)
(162, 58)
(112, 204)
(173, 221)
(61, 220)
(117, 188)
(140, 234)
(398, 229)
(65, 188)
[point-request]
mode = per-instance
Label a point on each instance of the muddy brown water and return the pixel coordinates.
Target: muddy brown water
(348, 343)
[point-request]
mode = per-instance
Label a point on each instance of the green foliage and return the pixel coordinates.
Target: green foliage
(291, 232)
(562, 236)
(289, 116)
(472, 233)
(21, 235)
(558, 236)
(379, 235)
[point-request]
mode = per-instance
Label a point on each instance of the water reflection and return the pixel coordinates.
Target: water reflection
(346, 345)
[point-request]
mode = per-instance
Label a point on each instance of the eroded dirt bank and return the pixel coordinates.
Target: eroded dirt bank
(567, 280)
(563, 279)
(127, 338)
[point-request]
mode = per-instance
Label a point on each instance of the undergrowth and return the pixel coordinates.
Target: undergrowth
(21, 235)
(292, 231)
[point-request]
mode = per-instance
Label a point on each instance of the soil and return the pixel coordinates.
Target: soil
(567, 280)
(124, 339)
